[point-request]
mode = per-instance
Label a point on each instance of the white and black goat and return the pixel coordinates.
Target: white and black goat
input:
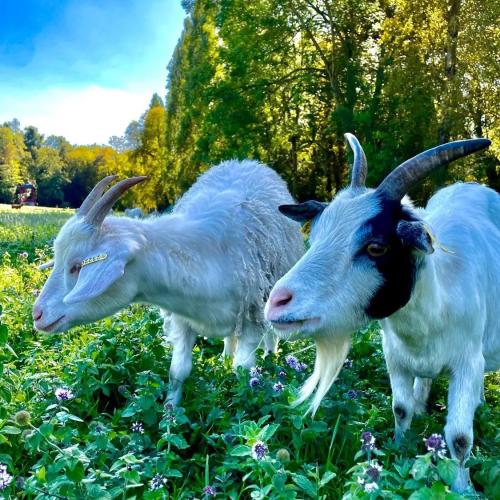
(211, 262)
(431, 276)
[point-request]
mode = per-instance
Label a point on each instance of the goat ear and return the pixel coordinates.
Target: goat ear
(303, 212)
(95, 279)
(415, 234)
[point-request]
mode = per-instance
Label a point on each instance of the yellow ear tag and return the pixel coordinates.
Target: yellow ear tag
(93, 260)
(435, 242)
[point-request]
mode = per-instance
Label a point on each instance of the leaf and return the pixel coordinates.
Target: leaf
(448, 470)
(279, 480)
(304, 484)
(422, 494)
(74, 418)
(268, 431)
(77, 473)
(4, 334)
(40, 474)
(420, 469)
(173, 473)
(177, 441)
(10, 429)
(129, 412)
(241, 451)
(327, 477)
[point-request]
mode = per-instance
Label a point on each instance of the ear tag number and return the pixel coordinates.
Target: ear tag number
(93, 260)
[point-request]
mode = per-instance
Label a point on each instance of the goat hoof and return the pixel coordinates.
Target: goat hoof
(460, 446)
(400, 412)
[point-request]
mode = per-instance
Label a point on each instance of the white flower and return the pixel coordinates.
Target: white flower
(369, 487)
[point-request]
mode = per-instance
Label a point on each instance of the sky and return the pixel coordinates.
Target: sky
(84, 69)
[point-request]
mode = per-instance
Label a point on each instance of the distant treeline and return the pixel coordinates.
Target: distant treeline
(64, 174)
(282, 81)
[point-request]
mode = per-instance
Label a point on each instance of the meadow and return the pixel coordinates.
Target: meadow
(82, 413)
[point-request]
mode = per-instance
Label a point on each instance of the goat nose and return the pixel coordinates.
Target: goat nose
(37, 312)
(280, 297)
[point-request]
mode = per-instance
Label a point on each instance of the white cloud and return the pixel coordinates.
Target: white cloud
(86, 115)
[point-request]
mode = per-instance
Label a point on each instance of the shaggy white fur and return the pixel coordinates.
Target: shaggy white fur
(210, 263)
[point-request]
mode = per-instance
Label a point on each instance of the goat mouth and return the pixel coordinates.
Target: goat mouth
(50, 327)
(291, 325)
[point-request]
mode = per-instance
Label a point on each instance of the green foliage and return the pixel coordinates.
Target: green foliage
(283, 81)
(113, 438)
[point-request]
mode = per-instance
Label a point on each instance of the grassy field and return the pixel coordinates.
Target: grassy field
(82, 415)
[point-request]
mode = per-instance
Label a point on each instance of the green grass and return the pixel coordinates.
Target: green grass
(118, 371)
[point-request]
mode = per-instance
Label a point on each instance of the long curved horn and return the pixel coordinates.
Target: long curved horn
(95, 194)
(359, 166)
(399, 181)
(98, 212)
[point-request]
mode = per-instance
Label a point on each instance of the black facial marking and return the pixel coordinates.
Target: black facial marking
(398, 266)
(400, 412)
(460, 445)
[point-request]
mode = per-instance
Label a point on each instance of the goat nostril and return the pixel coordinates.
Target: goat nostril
(37, 313)
(284, 302)
(281, 298)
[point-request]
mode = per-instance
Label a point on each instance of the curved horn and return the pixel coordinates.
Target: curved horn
(46, 265)
(95, 194)
(359, 165)
(399, 181)
(98, 212)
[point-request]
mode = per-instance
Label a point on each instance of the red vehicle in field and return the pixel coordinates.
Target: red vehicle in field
(25, 195)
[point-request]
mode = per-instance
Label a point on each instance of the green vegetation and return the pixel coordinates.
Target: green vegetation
(82, 416)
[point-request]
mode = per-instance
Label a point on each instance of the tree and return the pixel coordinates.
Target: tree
(13, 163)
(282, 81)
(149, 159)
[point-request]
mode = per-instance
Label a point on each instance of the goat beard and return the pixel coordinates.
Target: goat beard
(331, 352)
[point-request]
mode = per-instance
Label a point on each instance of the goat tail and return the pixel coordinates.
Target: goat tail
(331, 353)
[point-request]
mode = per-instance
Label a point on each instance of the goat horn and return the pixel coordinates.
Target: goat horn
(400, 180)
(98, 212)
(95, 194)
(359, 165)
(46, 265)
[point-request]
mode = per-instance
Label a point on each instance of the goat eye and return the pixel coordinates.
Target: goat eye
(376, 249)
(75, 269)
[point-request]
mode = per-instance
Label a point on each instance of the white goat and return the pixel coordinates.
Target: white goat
(211, 262)
(371, 257)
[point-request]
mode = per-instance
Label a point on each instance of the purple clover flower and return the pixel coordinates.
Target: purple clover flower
(137, 427)
(295, 364)
(259, 450)
(436, 444)
(278, 387)
(254, 382)
(209, 491)
(157, 482)
(373, 471)
(292, 361)
(5, 477)
(282, 374)
(367, 441)
(371, 476)
(255, 371)
(352, 394)
(348, 363)
(301, 367)
(63, 394)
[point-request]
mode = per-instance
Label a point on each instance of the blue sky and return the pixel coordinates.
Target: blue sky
(84, 68)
